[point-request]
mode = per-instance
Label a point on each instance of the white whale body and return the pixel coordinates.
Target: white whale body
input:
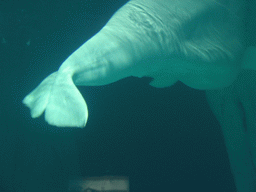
(168, 40)
(197, 42)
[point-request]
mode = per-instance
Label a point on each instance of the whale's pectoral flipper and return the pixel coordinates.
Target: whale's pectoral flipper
(63, 104)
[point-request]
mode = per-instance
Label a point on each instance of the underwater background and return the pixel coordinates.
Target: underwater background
(162, 139)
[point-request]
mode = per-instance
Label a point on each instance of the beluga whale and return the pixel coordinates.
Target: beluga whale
(198, 42)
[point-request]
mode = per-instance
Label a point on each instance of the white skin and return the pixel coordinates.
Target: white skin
(139, 48)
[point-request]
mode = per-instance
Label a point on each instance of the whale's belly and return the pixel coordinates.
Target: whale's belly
(193, 73)
(208, 75)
